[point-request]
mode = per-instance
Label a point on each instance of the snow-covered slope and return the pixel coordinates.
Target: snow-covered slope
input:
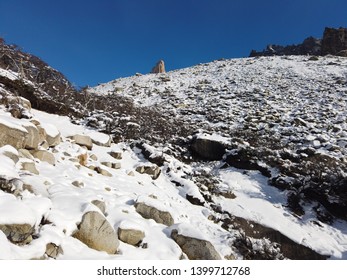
(231, 209)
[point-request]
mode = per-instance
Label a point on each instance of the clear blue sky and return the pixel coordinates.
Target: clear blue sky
(94, 41)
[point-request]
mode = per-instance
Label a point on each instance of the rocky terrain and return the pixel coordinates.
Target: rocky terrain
(234, 159)
(334, 42)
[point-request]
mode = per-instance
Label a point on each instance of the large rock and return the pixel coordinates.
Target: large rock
(44, 155)
(83, 140)
(18, 233)
(334, 40)
(131, 236)
(159, 67)
(52, 134)
(97, 233)
(12, 134)
(195, 249)
(32, 140)
(208, 149)
(150, 212)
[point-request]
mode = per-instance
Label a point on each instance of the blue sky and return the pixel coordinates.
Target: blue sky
(97, 41)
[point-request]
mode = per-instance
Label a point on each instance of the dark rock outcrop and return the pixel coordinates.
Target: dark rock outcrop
(208, 149)
(334, 41)
(310, 46)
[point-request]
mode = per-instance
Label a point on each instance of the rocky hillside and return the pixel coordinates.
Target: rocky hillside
(234, 159)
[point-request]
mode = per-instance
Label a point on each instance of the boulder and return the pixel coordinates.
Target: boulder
(97, 233)
(208, 149)
(152, 170)
(195, 249)
(131, 236)
(53, 250)
(44, 155)
(83, 140)
(150, 212)
(159, 67)
(12, 134)
(53, 136)
(32, 140)
(23, 153)
(18, 233)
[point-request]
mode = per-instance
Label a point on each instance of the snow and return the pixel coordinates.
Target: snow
(259, 202)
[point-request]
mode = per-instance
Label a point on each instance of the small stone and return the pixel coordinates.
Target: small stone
(116, 155)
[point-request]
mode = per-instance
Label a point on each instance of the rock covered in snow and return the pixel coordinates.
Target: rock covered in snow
(150, 212)
(83, 140)
(194, 248)
(97, 233)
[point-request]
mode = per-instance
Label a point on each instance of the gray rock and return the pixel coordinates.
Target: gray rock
(32, 139)
(18, 233)
(131, 236)
(44, 155)
(97, 233)
(53, 250)
(83, 140)
(116, 155)
(29, 166)
(195, 249)
(12, 135)
(150, 212)
(101, 205)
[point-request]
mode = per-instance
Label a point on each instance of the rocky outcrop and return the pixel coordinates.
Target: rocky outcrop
(195, 249)
(310, 46)
(334, 41)
(159, 67)
(150, 212)
(97, 233)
